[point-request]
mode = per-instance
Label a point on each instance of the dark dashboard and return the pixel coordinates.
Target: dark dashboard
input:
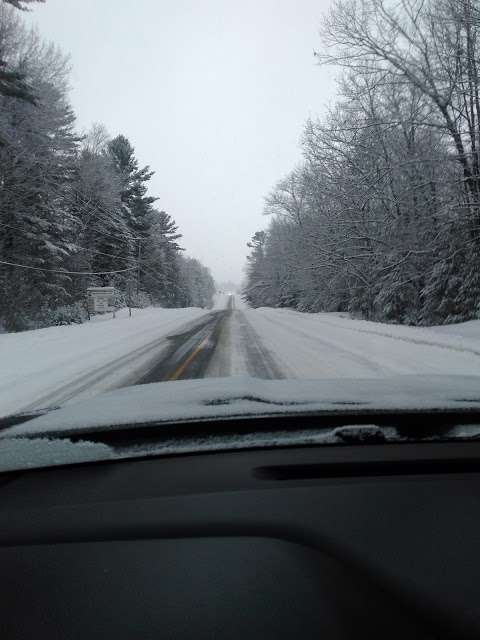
(377, 541)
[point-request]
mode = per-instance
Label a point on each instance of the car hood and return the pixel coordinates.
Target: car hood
(223, 398)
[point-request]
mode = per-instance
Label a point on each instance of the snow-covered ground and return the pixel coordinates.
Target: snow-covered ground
(53, 366)
(50, 364)
(324, 345)
(469, 329)
(341, 361)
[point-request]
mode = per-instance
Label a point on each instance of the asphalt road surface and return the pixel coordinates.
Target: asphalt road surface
(222, 343)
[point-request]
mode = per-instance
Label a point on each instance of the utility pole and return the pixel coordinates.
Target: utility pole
(138, 265)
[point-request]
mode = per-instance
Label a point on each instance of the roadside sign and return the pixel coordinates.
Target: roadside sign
(100, 299)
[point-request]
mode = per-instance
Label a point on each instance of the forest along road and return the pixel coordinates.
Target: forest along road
(221, 344)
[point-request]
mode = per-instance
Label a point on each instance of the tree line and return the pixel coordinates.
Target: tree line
(381, 217)
(74, 209)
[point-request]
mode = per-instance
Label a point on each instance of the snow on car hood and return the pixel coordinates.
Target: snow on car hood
(183, 401)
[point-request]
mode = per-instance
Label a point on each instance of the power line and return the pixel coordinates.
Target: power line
(73, 273)
(77, 246)
(102, 253)
(126, 237)
(96, 207)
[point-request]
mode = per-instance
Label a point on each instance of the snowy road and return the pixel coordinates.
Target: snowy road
(281, 343)
(60, 365)
(53, 366)
(222, 344)
(331, 345)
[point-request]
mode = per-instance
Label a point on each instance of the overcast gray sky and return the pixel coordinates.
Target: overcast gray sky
(213, 94)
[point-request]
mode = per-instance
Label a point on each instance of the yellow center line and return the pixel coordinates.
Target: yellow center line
(178, 372)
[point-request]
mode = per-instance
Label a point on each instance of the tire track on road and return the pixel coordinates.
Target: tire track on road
(120, 372)
(261, 363)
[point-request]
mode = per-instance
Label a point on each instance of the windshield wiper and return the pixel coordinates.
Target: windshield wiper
(20, 418)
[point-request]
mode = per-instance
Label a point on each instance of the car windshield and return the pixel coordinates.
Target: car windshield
(213, 210)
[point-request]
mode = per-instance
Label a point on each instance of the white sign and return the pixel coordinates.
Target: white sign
(101, 299)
